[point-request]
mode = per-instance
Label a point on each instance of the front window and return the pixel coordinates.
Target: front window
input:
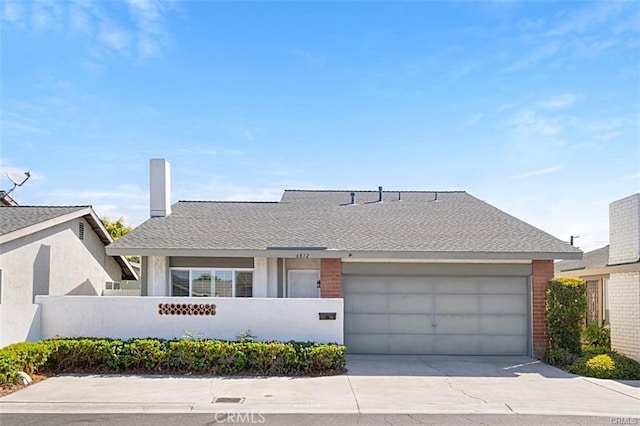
(179, 283)
(224, 284)
(211, 283)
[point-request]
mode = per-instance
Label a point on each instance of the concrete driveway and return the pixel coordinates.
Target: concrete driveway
(373, 384)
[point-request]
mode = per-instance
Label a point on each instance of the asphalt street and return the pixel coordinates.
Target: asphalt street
(306, 419)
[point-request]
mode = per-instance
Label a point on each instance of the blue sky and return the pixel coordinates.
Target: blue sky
(533, 107)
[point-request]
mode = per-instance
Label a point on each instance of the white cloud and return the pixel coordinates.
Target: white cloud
(143, 33)
(529, 122)
(540, 53)
(473, 120)
(309, 57)
(126, 192)
(149, 19)
(113, 36)
(13, 12)
(580, 20)
(537, 172)
(79, 19)
(560, 102)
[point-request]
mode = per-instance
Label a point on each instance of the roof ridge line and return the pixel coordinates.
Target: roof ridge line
(230, 202)
(376, 191)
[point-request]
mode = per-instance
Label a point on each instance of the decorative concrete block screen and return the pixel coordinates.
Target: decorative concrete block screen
(186, 308)
(175, 317)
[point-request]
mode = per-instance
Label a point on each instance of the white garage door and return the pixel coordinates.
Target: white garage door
(436, 315)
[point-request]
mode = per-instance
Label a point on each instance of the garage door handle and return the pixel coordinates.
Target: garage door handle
(434, 324)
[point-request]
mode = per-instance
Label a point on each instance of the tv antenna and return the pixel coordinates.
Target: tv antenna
(17, 178)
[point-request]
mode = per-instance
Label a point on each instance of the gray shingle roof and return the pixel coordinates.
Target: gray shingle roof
(457, 222)
(598, 258)
(18, 217)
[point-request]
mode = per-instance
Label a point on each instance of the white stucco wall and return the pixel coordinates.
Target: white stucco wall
(19, 323)
(624, 313)
(126, 317)
(55, 261)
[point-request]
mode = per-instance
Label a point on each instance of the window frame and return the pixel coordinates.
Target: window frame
(212, 271)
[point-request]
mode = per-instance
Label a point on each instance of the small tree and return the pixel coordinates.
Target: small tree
(566, 308)
(116, 229)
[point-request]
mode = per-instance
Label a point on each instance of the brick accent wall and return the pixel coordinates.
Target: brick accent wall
(542, 273)
(330, 278)
(624, 313)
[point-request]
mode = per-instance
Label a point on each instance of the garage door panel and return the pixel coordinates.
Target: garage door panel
(410, 323)
(503, 304)
(410, 303)
(458, 344)
(473, 315)
(368, 343)
(503, 285)
(364, 302)
(453, 285)
(457, 324)
(457, 304)
(504, 324)
(368, 285)
(503, 345)
(410, 344)
(367, 323)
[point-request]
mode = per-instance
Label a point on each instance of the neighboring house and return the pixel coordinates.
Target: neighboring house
(6, 200)
(612, 274)
(420, 272)
(55, 251)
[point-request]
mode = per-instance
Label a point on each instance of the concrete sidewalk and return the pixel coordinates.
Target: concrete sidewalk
(374, 384)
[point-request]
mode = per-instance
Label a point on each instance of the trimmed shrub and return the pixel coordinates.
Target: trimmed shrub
(88, 355)
(566, 308)
(597, 335)
(27, 356)
(610, 365)
(558, 357)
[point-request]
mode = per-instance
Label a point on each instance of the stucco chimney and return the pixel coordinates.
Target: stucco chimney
(160, 187)
(624, 230)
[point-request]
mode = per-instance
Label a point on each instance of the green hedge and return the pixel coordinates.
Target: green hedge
(218, 357)
(605, 364)
(566, 307)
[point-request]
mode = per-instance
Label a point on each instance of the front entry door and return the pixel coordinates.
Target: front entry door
(303, 283)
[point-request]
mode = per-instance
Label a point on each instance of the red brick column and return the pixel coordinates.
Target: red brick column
(330, 278)
(542, 273)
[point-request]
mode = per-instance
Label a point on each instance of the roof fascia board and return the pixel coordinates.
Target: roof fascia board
(345, 254)
(44, 225)
(99, 228)
(615, 269)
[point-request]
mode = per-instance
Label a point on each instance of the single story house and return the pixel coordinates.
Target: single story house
(420, 272)
(612, 274)
(47, 250)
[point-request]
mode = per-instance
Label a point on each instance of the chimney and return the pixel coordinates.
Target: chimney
(160, 187)
(624, 230)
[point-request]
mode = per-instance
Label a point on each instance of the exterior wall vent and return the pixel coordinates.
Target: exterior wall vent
(81, 230)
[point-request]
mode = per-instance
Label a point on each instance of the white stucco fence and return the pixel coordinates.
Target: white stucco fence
(127, 317)
(19, 323)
